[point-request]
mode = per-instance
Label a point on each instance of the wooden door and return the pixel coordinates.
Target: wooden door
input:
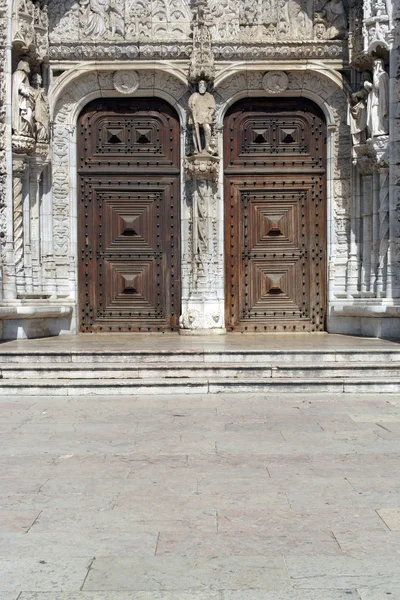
(275, 216)
(128, 216)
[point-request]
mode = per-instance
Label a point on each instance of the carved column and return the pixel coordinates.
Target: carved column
(203, 309)
(365, 160)
(383, 283)
(20, 166)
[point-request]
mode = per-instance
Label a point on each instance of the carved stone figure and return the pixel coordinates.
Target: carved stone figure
(22, 101)
(202, 108)
(378, 100)
(102, 18)
(358, 110)
(42, 113)
(334, 17)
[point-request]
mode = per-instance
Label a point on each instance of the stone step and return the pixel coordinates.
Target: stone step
(196, 370)
(212, 357)
(113, 387)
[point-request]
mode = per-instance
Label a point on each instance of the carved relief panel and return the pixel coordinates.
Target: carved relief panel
(133, 20)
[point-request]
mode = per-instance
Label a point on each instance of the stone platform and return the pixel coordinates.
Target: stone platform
(171, 364)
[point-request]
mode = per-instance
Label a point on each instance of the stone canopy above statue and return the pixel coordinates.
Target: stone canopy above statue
(170, 20)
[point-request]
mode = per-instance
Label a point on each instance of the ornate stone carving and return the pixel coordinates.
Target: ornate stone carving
(22, 101)
(202, 108)
(331, 20)
(202, 60)
(19, 170)
(202, 167)
(41, 111)
(102, 18)
(378, 100)
(275, 82)
(30, 28)
(130, 20)
(358, 111)
(376, 26)
(126, 82)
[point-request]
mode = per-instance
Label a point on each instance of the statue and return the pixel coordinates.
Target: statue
(42, 116)
(358, 110)
(335, 18)
(22, 101)
(378, 100)
(202, 110)
(102, 18)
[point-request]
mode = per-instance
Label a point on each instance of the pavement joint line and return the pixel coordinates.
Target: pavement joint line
(34, 521)
(383, 521)
(87, 574)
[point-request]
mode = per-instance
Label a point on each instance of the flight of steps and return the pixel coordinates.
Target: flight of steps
(77, 373)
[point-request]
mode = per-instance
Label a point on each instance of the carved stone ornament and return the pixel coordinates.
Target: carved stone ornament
(202, 108)
(126, 82)
(275, 82)
(202, 167)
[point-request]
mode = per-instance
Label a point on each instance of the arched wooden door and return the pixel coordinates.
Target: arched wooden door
(129, 216)
(275, 216)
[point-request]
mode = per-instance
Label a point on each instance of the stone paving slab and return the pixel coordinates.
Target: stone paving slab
(183, 573)
(339, 572)
(301, 503)
(60, 573)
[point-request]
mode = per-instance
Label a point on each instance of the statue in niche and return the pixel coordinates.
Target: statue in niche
(378, 100)
(358, 111)
(22, 101)
(42, 114)
(202, 108)
(332, 13)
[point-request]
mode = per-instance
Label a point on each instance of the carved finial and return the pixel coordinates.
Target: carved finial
(202, 62)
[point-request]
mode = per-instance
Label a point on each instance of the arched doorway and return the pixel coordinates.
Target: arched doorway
(129, 216)
(275, 215)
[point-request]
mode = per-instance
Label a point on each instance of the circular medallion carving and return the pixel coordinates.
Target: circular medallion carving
(126, 82)
(275, 82)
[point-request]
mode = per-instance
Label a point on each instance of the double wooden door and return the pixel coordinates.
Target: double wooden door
(275, 216)
(128, 216)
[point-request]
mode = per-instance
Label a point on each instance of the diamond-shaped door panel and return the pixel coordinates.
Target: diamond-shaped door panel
(131, 220)
(273, 220)
(274, 287)
(132, 291)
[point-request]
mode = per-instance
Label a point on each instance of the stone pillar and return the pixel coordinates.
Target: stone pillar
(203, 309)
(383, 283)
(20, 168)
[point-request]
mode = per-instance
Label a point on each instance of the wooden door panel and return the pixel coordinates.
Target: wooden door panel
(129, 220)
(275, 220)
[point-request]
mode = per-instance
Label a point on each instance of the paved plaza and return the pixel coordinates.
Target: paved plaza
(217, 497)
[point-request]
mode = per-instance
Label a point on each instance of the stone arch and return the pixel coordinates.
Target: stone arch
(68, 96)
(327, 90)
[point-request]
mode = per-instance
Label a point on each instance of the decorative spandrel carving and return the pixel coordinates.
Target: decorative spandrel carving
(121, 20)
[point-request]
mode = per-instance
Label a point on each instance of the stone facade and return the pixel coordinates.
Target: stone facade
(346, 60)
